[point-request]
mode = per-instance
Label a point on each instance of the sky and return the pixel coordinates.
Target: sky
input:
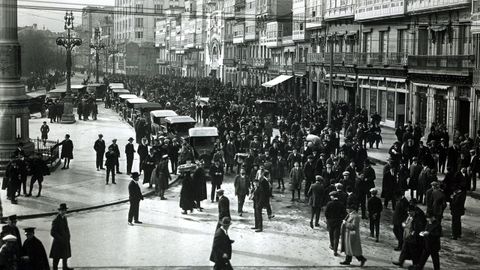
(37, 11)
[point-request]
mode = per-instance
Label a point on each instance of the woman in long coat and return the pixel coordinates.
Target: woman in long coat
(187, 197)
(351, 243)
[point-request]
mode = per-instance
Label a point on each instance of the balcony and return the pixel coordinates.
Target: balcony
(451, 64)
(314, 23)
(300, 67)
(229, 9)
(298, 35)
(396, 59)
(287, 41)
(370, 10)
(343, 11)
(315, 59)
(419, 6)
(261, 62)
(162, 61)
(342, 58)
(229, 62)
(476, 78)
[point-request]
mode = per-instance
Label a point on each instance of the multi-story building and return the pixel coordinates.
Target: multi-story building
(315, 33)
(440, 65)
(301, 47)
(194, 37)
(229, 49)
(135, 22)
(475, 93)
(214, 51)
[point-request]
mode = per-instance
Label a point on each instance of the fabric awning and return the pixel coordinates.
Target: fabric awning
(277, 80)
(362, 77)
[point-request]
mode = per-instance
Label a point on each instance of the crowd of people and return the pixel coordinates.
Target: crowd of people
(306, 157)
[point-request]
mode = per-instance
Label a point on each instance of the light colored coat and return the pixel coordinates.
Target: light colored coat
(351, 239)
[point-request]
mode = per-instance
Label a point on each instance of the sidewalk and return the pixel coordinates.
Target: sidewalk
(81, 186)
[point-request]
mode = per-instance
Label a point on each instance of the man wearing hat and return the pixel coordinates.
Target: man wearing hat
(99, 147)
(35, 251)
(44, 129)
(258, 204)
(117, 152)
(436, 201)
(309, 173)
(473, 168)
(216, 174)
(316, 195)
(61, 239)
(12, 229)
(134, 196)
(9, 252)
(222, 246)
(110, 162)
(335, 212)
(368, 182)
(129, 152)
(223, 205)
(374, 211)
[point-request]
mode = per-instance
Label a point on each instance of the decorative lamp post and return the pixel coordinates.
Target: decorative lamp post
(97, 46)
(112, 50)
(68, 43)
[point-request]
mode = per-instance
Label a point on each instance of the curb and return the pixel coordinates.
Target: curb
(40, 215)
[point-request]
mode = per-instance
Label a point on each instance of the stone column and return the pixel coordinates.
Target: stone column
(430, 110)
(473, 113)
(14, 112)
(452, 104)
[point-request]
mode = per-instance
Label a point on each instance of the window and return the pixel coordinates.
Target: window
(138, 22)
(139, 34)
(383, 41)
(301, 26)
(402, 41)
(139, 8)
(158, 8)
(367, 42)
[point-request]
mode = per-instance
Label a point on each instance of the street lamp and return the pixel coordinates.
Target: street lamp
(68, 43)
(97, 46)
(112, 50)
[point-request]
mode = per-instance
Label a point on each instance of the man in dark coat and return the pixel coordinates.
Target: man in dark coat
(12, 180)
(431, 235)
(258, 204)
(129, 152)
(11, 228)
(375, 208)
(67, 151)
(200, 184)
(457, 210)
(216, 174)
(99, 148)
(111, 161)
(316, 195)
(335, 213)
(142, 152)
(117, 152)
(35, 251)
(222, 246)
(135, 196)
(61, 239)
(309, 172)
(187, 196)
(223, 206)
(39, 169)
(241, 185)
(400, 214)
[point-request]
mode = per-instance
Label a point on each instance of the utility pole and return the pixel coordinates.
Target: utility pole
(330, 81)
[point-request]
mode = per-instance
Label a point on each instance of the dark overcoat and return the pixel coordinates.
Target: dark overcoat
(61, 238)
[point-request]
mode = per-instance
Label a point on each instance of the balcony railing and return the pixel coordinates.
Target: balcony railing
(300, 67)
(342, 58)
(229, 62)
(378, 9)
(383, 59)
(420, 5)
(314, 59)
(441, 62)
(339, 12)
(261, 62)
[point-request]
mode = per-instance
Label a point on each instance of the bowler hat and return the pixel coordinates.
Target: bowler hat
(130, 139)
(225, 221)
(134, 175)
(29, 230)
(63, 206)
(12, 217)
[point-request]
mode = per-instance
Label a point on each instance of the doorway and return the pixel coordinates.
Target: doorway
(314, 91)
(422, 109)
(463, 119)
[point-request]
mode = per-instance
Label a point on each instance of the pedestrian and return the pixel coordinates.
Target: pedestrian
(351, 244)
(129, 153)
(316, 195)
(148, 166)
(110, 162)
(99, 147)
(457, 210)
(34, 250)
(67, 151)
(117, 152)
(134, 196)
(44, 130)
(12, 180)
(61, 239)
(142, 152)
(187, 199)
(23, 166)
(279, 170)
(375, 208)
(335, 213)
(216, 176)
(222, 246)
(163, 176)
(242, 185)
(296, 179)
(258, 204)
(9, 253)
(400, 214)
(266, 191)
(12, 229)
(223, 205)
(436, 201)
(38, 169)
(431, 235)
(389, 187)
